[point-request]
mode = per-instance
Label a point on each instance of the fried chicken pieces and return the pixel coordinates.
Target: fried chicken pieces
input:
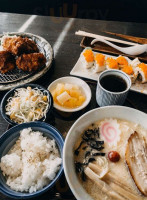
(7, 61)
(19, 45)
(30, 62)
(22, 52)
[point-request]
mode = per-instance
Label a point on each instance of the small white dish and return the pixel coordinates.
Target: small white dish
(76, 81)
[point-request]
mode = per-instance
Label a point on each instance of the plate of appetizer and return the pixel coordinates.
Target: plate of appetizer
(26, 103)
(24, 57)
(105, 155)
(70, 94)
(90, 64)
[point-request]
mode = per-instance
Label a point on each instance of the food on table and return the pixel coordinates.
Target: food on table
(87, 58)
(7, 62)
(110, 131)
(104, 187)
(99, 62)
(88, 149)
(121, 60)
(32, 163)
(101, 168)
(135, 62)
(62, 98)
(136, 159)
(68, 95)
(25, 51)
(142, 70)
(112, 180)
(113, 156)
(128, 69)
(18, 45)
(30, 62)
(111, 63)
(102, 176)
(27, 105)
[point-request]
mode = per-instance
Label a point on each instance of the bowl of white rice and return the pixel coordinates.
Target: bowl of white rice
(30, 159)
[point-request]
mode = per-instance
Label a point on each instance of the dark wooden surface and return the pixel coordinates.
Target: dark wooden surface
(50, 28)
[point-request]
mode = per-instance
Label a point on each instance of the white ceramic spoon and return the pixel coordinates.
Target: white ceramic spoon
(133, 50)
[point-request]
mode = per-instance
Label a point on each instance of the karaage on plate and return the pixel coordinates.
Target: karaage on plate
(18, 45)
(7, 61)
(31, 62)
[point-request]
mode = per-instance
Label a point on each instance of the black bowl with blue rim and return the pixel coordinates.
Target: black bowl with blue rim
(8, 139)
(11, 94)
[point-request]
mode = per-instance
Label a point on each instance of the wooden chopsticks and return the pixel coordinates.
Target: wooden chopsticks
(83, 33)
(128, 37)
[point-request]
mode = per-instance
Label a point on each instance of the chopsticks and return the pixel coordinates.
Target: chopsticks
(128, 37)
(83, 33)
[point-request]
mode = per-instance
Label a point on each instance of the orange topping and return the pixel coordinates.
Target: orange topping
(128, 69)
(88, 55)
(122, 61)
(111, 62)
(100, 59)
(143, 67)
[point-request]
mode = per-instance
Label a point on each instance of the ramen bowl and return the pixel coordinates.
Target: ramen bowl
(119, 112)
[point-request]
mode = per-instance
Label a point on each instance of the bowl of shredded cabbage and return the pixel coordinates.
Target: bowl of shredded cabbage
(27, 103)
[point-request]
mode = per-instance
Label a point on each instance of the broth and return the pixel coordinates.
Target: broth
(119, 168)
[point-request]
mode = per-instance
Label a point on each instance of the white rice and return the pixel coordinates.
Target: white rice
(32, 163)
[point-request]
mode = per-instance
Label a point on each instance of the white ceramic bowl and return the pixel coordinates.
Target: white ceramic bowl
(76, 81)
(79, 126)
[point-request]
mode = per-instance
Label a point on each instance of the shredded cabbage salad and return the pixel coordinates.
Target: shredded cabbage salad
(27, 105)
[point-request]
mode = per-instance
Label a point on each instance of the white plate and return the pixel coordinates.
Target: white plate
(78, 127)
(76, 81)
(80, 71)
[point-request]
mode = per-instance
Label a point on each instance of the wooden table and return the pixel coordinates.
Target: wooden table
(60, 34)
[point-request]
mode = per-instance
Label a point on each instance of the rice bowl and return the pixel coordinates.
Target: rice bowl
(31, 163)
(8, 140)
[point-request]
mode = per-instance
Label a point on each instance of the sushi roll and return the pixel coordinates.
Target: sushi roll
(111, 63)
(141, 69)
(135, 63)
(87, 58)
(128, 69)
(121, 60)
(99, 62)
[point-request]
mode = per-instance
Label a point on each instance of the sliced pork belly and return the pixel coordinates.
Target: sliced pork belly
(136, 159)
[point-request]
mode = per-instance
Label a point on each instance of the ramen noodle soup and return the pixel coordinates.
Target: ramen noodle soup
(111, 160)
